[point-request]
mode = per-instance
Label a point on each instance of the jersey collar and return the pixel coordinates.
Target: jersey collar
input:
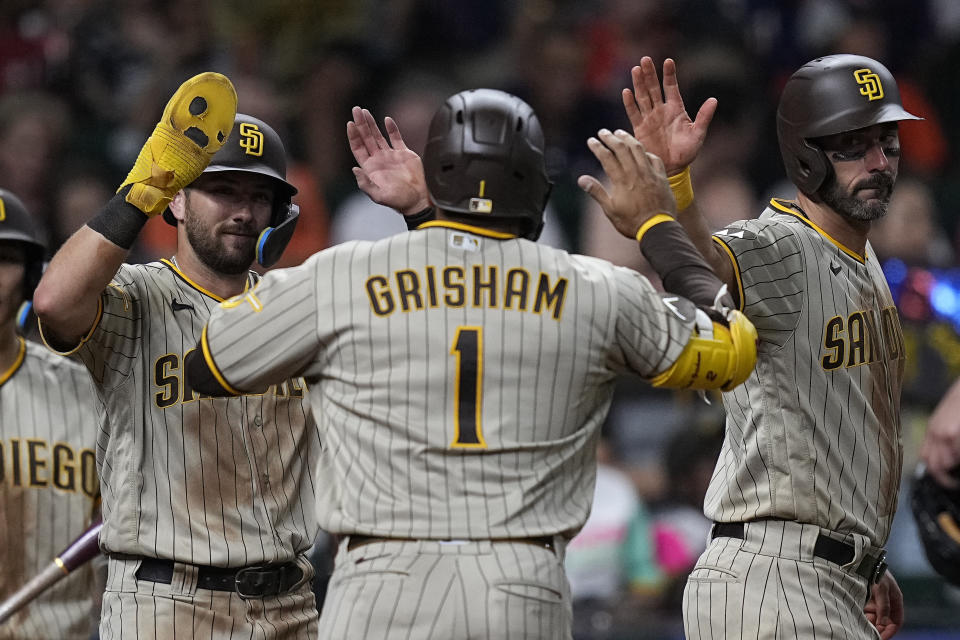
(791, 208)
(21, 354)
(469, 228)
(193, 284)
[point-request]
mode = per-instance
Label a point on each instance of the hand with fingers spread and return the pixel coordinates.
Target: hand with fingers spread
(638, 182)
(389, 172)
(660, 120)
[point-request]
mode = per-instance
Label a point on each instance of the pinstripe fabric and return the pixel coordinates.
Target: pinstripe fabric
(397, 338)
(205, 481)
(383, 387)
(427, 589)
(48, 490)
(814, 435)
(770, 586)
(212, 481)
(180, 611)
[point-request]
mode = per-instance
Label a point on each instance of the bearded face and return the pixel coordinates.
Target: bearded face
(865, 163)
(224, 214)
(229, 250)
(851, 202)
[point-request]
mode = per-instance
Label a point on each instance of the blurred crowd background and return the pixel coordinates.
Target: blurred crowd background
(82, 83)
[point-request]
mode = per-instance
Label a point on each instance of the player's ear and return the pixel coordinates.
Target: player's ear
(178, 205)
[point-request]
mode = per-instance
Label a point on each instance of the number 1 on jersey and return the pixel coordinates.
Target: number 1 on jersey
(468, 387)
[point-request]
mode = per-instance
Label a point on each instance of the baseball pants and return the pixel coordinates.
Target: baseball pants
(769, 586)
(142, 609)
(456, 590)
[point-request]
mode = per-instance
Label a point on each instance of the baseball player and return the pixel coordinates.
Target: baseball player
(460, 373)
(207, 503)
(49, 491)
(804, 491)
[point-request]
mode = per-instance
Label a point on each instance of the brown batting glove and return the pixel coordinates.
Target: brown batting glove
(195, 124)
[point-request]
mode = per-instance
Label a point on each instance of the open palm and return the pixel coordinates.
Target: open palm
(660, 120)
(389, 172)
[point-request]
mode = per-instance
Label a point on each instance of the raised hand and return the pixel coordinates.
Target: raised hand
(389, 172)
(660, 120)
(194, 125)
(638, 183)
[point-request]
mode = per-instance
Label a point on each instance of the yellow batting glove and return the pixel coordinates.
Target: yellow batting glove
(195, 124)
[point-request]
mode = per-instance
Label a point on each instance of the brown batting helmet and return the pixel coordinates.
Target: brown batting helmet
(484, 159)
(254, 147)
(826, 96)
(16, 225)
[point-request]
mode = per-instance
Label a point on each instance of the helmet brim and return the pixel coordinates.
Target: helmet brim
(23, 238)
(285, 190)
(846, 121)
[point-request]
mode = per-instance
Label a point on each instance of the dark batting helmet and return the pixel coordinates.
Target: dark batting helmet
(16, 225)
(484, 159)
(826, 96)
(254, 147)
(937, 512)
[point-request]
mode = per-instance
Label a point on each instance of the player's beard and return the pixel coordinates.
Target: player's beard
(215, 249)
(853, 208)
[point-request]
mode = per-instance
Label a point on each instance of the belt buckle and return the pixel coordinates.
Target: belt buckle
(258, 581)
(879, 568)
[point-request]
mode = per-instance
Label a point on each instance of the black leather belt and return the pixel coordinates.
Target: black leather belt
(356, 541)
(871, 566)
(249, 582)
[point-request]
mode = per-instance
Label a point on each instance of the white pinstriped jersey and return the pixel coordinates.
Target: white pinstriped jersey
(48, 489)
(814, 433)
(459, 375)
(210, 481)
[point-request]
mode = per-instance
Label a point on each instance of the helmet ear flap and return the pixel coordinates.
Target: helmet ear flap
(806, 164)
(537, 228)
(274, 239)
(31, 278)
(814, 169)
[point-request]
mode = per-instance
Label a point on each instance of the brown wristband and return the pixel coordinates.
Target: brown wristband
(414, 220)
(119, 221)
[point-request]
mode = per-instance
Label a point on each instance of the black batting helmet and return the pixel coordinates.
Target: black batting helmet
(936, 510)
(16, 225)
(484, 159)
(826, 96)
(254, 147)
